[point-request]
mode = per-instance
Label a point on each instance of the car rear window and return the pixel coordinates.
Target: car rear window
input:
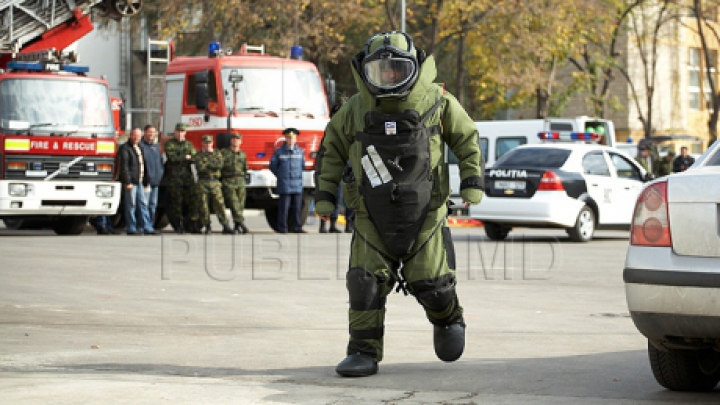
(534, 157)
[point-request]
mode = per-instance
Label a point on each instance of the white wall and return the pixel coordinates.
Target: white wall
(100, 50)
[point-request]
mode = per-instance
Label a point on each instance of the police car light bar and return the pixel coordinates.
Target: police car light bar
(46, 67)
(569, 136)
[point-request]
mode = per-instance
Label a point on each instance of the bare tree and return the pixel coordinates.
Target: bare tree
(709, 64)
(648, 25)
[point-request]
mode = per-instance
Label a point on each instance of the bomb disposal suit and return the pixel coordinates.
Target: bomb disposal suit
(393, 134)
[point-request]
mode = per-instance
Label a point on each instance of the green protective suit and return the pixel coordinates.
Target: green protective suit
(428, 271)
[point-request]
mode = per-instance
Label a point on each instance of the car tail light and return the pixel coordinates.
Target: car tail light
(550, 182)
(651, 223)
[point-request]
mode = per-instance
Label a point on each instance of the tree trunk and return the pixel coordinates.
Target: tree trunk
(543, 103)
(460, 85)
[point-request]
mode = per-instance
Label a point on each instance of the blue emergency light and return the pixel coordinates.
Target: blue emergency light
(214, 49)
(296, 52)
(568, 136)
(46, 67)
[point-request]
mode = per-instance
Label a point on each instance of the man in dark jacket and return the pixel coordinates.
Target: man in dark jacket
(153, 175)
(132, 175)
(287, 164)
(684, 161)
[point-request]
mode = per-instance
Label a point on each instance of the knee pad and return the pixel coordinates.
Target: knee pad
(364, 289)
(436, 294)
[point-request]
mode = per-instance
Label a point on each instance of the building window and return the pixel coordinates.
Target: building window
(707, 90)
(694, 78)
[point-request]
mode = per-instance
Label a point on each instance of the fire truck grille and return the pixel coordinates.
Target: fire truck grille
(65, 203)
(41, 167)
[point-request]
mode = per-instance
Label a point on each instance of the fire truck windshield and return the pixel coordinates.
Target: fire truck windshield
(53, 106)
(277, 91)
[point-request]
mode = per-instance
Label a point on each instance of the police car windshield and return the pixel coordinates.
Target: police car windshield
(534, 157)
(51, 106)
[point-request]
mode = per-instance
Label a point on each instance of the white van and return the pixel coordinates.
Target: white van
(496, 138)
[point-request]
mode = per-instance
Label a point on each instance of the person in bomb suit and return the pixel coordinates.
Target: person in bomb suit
(209, 163)
(180, 180)
(393, 134)
(233, 175)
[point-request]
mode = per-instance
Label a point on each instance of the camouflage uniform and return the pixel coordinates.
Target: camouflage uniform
(665, 165)
(208, 166)
(233, 182)
(180, 181)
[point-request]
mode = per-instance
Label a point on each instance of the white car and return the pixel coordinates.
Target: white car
(576, 186)
(672, 275)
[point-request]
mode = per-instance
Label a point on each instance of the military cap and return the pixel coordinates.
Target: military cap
(207, 138)
(237, 135)
(671, 153)
(291, 132)
(180, 127)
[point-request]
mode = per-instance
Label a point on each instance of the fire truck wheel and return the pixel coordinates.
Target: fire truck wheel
(271, 214)
(161, 219)
(74, 225)
(13, 224)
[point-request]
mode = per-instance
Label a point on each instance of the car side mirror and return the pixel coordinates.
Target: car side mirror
(648, 177)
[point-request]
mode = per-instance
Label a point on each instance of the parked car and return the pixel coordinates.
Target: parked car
(672, 274)
(575, 186)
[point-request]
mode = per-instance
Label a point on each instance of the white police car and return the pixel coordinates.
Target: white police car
(576, 186)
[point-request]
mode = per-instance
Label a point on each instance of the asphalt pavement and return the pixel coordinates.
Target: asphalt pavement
(261, 319)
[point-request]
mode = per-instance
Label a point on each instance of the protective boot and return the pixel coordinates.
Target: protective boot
(208, 229)
(227, 230)
(323, 229)
(449, 341)
(333, 228)
(357, 365)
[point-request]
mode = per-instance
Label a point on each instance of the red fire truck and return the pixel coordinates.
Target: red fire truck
(259, 96)
(57, 135)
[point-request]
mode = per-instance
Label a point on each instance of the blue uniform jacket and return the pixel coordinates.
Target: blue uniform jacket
(287, 165)
(153, 163)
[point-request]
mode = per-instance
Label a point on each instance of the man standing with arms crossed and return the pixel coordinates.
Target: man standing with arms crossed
(181, 182)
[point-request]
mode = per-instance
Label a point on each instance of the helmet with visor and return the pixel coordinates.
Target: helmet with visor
(390, 66)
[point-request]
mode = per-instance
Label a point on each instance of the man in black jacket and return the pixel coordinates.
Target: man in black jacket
(683, 161)
(132, 174)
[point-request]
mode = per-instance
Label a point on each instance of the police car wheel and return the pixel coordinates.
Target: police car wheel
(584, 226)
(685, 369)
(496, 231)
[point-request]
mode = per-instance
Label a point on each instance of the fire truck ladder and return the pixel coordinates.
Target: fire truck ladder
(24, 21)
(158, 58)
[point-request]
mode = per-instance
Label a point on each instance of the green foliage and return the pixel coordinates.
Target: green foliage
(493, 55)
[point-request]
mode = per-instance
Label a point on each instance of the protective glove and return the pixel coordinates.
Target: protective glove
(471, 195)
(324, 208)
